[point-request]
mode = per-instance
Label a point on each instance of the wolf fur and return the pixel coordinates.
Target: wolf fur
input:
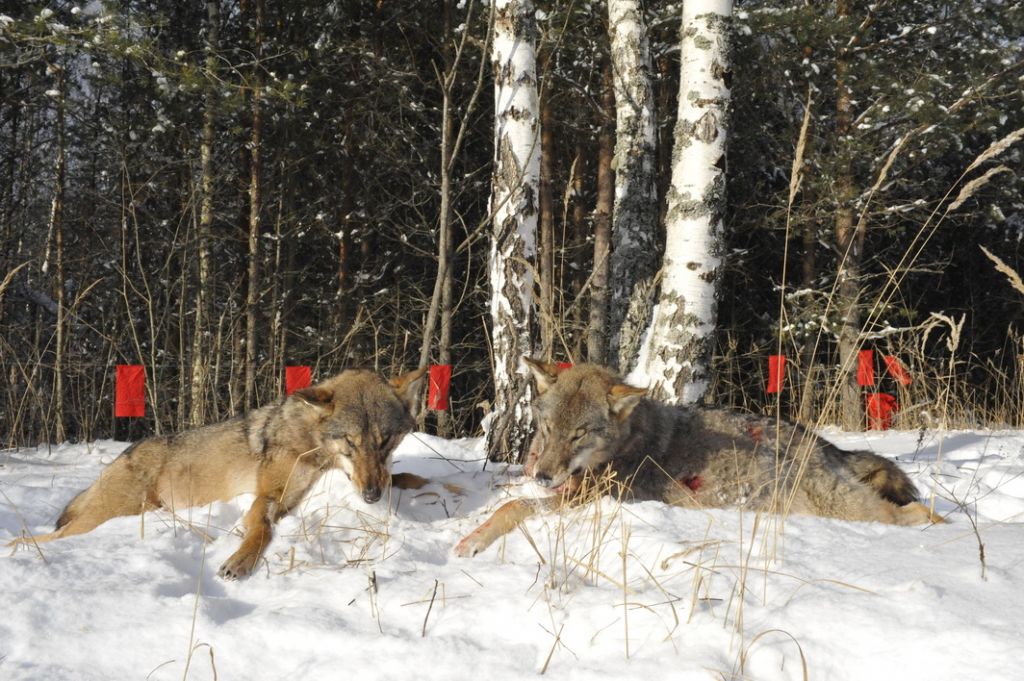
(352, 421)
(590, 423)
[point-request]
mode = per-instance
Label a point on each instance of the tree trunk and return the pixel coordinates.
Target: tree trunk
(597, 330)
(514, 194)
(200, 348)
(634, 257)
(546, 264)
(57, 229)
(446, 250)
(849, 244)
(678, 350)
(252, 295)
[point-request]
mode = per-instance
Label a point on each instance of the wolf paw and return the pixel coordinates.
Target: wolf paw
(237, 567)
(472, 544)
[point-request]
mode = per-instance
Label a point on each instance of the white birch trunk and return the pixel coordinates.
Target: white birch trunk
(678, 347)
(634, 258)
(200, 344)
(514, 206)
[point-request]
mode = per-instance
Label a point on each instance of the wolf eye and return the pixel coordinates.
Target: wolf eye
(579, 434)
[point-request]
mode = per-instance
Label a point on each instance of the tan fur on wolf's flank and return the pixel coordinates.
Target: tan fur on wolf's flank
(590, 422)
(352, 421)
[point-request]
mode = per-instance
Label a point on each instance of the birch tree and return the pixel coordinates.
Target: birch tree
(514, 199)
(255, 179)
(634, 220)
(678, 346)
(197, 415)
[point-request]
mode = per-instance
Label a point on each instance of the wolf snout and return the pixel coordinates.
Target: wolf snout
(542, 478)
(371, 495)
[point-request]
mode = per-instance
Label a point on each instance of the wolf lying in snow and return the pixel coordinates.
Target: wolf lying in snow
(353, 421)
(589, 423)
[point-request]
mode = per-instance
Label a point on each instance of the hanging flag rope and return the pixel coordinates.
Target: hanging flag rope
(880, 408)
(896, 370)
(776, 373)
(440, 381)
(296, 378)
(130, 391)
(866, 368)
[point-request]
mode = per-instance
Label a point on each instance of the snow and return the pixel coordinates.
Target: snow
(373, 591)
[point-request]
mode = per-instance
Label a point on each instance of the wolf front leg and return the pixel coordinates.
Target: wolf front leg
(280, 486)
(501, 522)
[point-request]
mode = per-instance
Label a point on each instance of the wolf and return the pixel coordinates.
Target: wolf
(590, 423)
(353, 421)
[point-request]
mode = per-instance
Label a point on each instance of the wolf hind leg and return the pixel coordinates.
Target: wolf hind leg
(117, 492)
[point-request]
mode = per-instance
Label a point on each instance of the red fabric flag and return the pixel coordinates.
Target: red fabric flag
(880, 408)
(565, 365)
(896, 370)
(440, 380)
(866, 367)
(130, 390)
(776, 372)
(296, 378)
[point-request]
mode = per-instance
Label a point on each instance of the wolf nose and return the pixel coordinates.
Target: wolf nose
(371, 494)
(542, 478)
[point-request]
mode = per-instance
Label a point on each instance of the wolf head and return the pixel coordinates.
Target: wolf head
(581, 414)
(361, 418)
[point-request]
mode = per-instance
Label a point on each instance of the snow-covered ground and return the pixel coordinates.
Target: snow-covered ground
(634, 591)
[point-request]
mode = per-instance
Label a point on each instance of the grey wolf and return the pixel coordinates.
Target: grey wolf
(590, 423)
(352, 421)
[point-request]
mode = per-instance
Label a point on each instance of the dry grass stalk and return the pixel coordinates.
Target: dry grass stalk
(968, 190)
(745, 653)
(997, 148)
(1011, 275)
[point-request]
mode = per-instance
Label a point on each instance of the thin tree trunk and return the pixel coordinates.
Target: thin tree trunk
(634, 256)
(546, 264)
(575, 276)
(808, 278)
(200, 349)
(252, 295)
(848, 242)
(57, 229)
(678, 351)
(445, 250)
(442, 303)
(597, 329)
(514, 210)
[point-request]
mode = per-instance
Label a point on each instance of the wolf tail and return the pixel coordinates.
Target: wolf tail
(884, 476)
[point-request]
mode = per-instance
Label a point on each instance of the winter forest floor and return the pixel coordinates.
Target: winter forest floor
(631, 591)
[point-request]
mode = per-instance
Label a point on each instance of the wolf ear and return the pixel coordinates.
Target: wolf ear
(407, 387)
(622, 399)
(544, 373)
(316, 396)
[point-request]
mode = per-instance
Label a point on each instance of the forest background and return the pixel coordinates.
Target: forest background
(220, 189)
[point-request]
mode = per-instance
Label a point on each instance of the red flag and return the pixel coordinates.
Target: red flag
(896, 370)
(565, 365)
(880, 408)
(776, 372)
(296, 378)
(866, 367)
(130, 390)
(440, 380)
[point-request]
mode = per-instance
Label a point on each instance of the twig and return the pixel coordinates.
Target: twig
(423, 634)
